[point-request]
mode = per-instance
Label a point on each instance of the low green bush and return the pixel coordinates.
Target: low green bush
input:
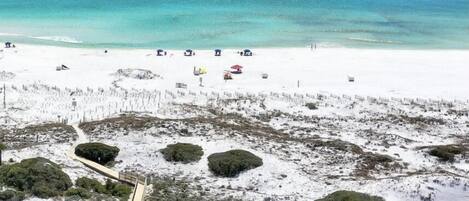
(350, 196)
(41, 190)
(39, 176)
(446, 152)
(90, 184)
(12, 195)
(110, 188)
(311, 106)
(80, 192)
(182, 152)
(97, 152)
(231, 163)
(120, 190)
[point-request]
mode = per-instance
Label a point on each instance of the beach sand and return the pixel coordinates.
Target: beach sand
(291, 170)
(390, 73)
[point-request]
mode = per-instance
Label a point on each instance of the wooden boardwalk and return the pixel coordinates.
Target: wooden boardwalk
(139, 182)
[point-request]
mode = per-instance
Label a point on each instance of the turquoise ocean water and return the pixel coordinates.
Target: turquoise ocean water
(205, 24)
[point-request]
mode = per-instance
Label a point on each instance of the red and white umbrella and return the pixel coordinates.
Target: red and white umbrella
(237, 67)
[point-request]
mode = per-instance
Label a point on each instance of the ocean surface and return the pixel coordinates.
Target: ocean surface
(206, 24)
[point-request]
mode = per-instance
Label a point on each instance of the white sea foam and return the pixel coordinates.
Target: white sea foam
(65, 39)
(369, 40)
(10, 34)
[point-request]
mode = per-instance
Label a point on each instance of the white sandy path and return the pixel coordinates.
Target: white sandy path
(404, 73)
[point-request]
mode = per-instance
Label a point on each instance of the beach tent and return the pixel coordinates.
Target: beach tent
(203, 70)
(236, 69)
(246, 52)
(7, 44)
(200, 71)
(189, 53)
(160, 52)
(217, 52)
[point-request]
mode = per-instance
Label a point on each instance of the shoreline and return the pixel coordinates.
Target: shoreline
(235, 49)
(325, 45)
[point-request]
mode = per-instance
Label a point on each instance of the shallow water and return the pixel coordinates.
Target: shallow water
(204, 24)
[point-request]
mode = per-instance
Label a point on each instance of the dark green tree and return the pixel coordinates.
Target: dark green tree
(2, 147)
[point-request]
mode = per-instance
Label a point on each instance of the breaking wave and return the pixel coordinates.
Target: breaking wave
(368, 40)
(64, 39)
(10, 34)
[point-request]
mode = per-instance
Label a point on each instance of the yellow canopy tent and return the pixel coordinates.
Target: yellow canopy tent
(203, 70)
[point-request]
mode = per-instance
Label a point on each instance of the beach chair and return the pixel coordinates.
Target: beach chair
(227, 75)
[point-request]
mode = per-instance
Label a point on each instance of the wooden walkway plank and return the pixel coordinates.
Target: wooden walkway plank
(139, 185)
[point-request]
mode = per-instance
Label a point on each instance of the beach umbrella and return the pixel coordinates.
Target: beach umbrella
(236, 67)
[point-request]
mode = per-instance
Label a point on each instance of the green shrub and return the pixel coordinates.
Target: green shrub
(120, 190)
(97, 152)
(182, 152)
(80, 192)
(311, 106)
(117, 189)
(231, 163)
(90, 184)
(12, 195)
(39, 176)
(41, 190)
(110, 188)
(350, 196)
(446, 152)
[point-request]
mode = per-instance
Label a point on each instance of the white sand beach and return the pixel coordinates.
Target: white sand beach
(389, 73)
(292, 170)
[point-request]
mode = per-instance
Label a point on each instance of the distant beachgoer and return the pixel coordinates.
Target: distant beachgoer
(105, 51)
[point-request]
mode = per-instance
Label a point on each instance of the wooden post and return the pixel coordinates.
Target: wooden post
(4, 97)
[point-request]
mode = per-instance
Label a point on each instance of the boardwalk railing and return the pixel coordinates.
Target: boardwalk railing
(132, 178)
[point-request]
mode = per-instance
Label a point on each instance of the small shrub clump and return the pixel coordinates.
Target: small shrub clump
(12, 195)
(446, 152)
(110, 188)
(311, 106)
(97, 152)
(80, 192)
(182, 152)
(38, 176)
(350, 196)
(232, 163)
(90, 184)
(117, 189)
